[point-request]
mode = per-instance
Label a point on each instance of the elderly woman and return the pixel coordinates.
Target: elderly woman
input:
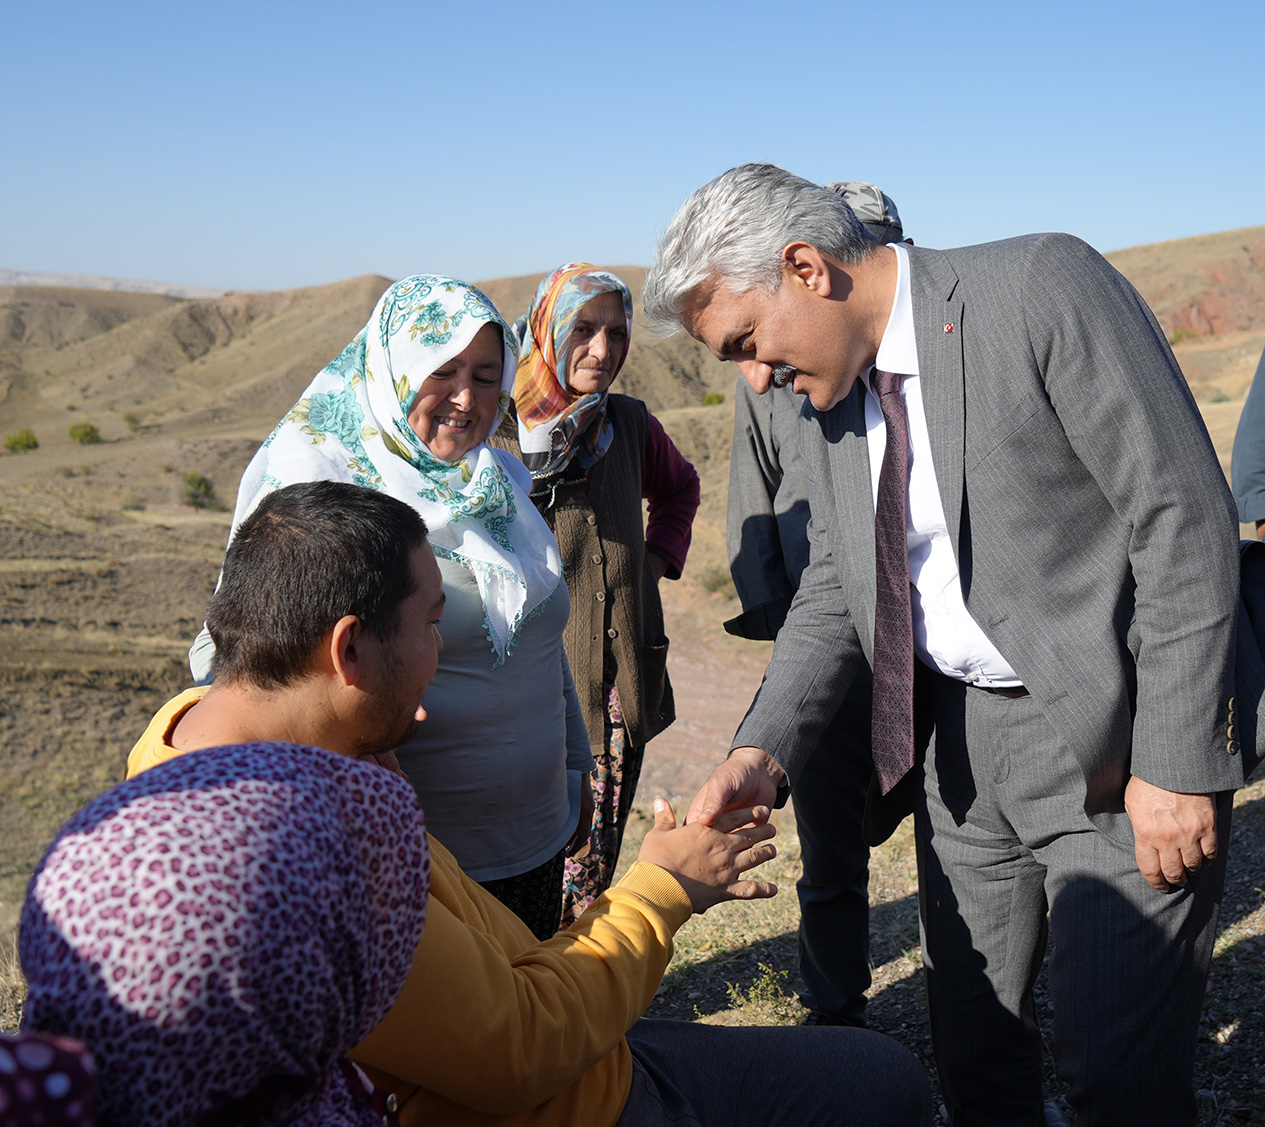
(406, 408)
(222, 929)
(593, 457)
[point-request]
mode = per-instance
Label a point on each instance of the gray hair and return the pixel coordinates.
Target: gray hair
(734, 230)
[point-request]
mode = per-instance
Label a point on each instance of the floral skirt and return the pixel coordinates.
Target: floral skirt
(614, 785)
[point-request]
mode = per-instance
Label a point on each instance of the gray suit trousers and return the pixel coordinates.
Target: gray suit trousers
(1002, 838)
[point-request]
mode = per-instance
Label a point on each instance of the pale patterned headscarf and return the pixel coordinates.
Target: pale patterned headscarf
(352, 425)
(221, 929)
(554, 423)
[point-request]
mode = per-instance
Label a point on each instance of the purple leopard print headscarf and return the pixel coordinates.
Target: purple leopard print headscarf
(222, 928)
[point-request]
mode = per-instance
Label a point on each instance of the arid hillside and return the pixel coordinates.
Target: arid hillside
(105, 569)
(1209, 294)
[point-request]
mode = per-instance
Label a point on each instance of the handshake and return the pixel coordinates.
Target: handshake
(716, 846)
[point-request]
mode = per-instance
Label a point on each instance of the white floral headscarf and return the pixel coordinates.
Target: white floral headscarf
(352, 425)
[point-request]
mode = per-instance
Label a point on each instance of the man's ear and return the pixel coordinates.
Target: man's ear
(808, 265)
(345, 647)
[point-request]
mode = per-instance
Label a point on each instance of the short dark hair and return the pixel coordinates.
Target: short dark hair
(308, 555)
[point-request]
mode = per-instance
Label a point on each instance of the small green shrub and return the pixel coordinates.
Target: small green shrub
(1183, 336)
(1218, 396)
(718, 581)
(132, 420)
(196, 490)
(713, 399)
(21, 440)
(86, 434)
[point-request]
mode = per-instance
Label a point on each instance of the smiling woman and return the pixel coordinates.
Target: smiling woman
(406, 408)
(459, 401)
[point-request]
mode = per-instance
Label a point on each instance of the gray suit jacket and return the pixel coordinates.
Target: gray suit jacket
(1093, 528)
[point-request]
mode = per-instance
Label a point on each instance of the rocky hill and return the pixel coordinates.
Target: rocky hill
(1209, 294)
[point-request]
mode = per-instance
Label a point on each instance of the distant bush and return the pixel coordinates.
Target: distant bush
(21, 440)
(1182, 336)
(718, 581)
(132, 420)
(197, 490)
(713, 399)
(84, 433)
(1218, 396)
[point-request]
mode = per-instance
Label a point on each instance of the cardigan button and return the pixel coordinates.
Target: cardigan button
(393, 1105)
(612, 633)
(590, 519)
(597, 557)
(600, 596)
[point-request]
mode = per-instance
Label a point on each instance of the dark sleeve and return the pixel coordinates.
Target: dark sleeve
(1247, 464)
(753, 532)
(670, 485)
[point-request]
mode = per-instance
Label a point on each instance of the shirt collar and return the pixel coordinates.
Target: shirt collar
(898, 350)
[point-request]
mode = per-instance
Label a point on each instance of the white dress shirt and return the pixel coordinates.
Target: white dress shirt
(946, 637)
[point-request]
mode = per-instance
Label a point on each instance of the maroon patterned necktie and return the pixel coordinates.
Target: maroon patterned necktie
(893, 711)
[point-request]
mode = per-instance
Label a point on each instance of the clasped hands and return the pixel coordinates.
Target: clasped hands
(719, 842)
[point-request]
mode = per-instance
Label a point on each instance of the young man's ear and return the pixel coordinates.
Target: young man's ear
(345, 649)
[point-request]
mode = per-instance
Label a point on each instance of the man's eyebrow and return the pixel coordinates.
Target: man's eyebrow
(729, 345)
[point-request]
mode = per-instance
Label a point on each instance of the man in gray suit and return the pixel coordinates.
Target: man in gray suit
(766, 532)
(1072, 574)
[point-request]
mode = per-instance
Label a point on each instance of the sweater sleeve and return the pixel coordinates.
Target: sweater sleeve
(670, 485)
(496, 1022)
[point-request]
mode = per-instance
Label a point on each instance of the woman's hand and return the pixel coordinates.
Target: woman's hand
(709, 860)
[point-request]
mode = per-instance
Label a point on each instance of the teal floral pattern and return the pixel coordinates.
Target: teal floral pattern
(490, 499)
(337, 414)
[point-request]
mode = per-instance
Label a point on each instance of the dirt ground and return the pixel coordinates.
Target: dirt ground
(103, 579)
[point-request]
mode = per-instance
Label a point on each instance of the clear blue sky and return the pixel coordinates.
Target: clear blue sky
(258, 145)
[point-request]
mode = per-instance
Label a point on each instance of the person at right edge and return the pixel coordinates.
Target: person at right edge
(766, 531)
(1046, 590)
(1247, 463)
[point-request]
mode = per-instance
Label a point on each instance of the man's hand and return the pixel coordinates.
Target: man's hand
(709, 861)
(747, 778)
(579, 841)
(1173, 833)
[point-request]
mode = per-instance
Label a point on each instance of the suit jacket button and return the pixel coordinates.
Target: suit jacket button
(1229, 731)
(1231, 748)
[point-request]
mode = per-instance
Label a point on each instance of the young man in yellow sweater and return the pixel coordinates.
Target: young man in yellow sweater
(326, 627)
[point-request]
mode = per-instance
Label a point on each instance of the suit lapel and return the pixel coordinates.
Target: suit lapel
(938, 333)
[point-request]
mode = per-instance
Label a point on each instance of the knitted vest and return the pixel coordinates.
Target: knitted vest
(614, 598)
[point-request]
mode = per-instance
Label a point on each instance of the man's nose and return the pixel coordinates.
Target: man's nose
(757, 374)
